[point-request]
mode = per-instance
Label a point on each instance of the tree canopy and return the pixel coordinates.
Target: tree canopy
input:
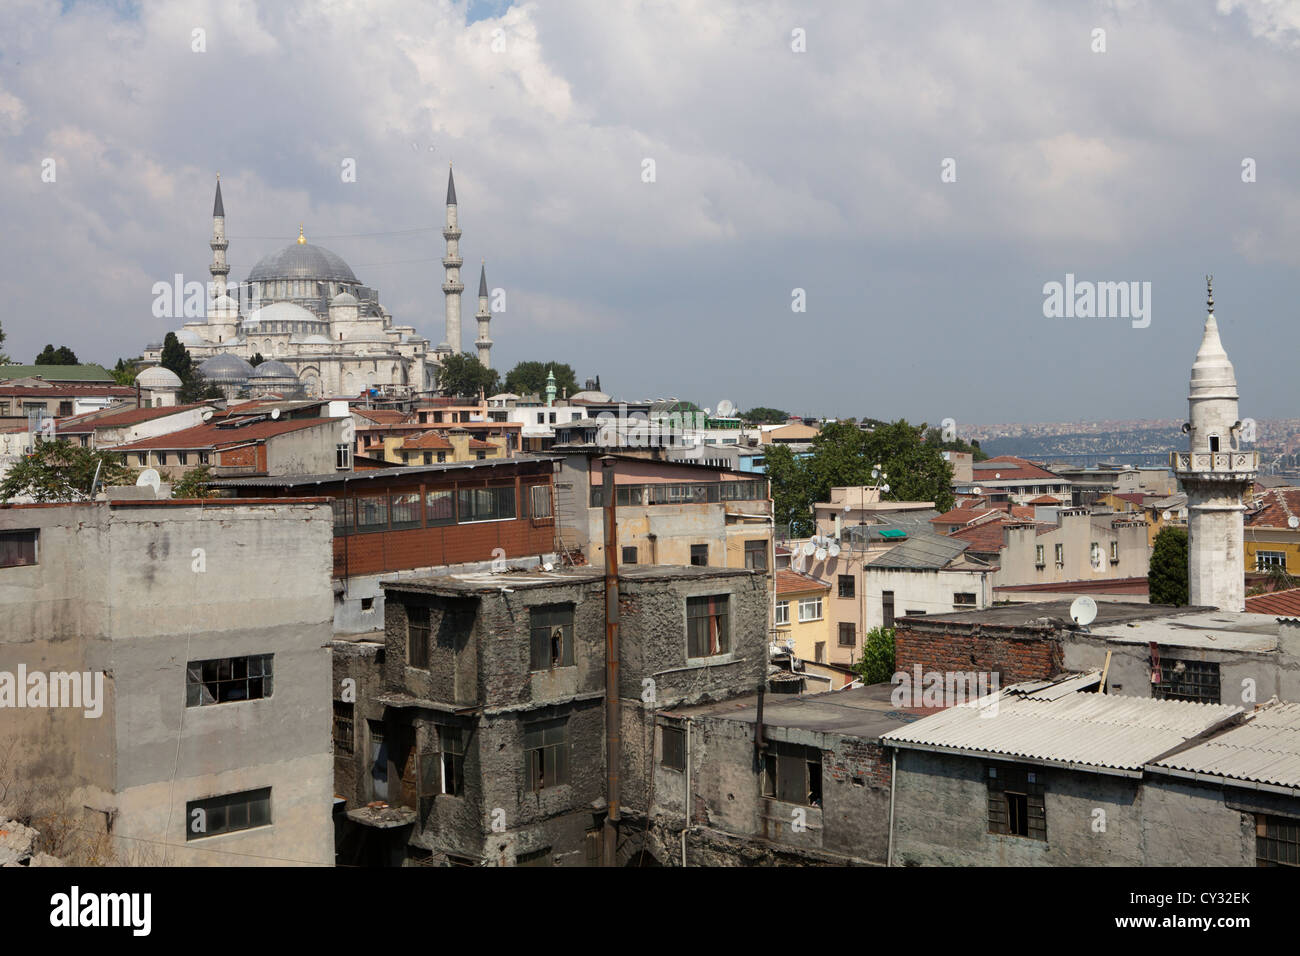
(529, 378)
(935, 437)
(1167, 573)
(194, 387)
(762, 415)
(464, 374)
(61, 471)
(60, 356)
(123, 372)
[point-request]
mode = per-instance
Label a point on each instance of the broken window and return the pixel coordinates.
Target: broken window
(673, 747)
(1174, 679)
(546, 756)
(793, 774)
(700, 555)
(551, 636)
(18, 548)
(1015, 802)
(227, 813)
(378, 761)
(756, 554)
(1277, 841)
(417, 636)
(707, 628)
(343, 727)
(228, 679)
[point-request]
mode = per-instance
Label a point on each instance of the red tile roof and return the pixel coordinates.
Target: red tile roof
(131, 416)
(964, 516)
(984, 537)
(792, 582)
(1281, 603)
(1279, 505)
(210, 435)
(1011, 468)
(433, 441)
(67, 391)
(387, 416)
(1045, 500)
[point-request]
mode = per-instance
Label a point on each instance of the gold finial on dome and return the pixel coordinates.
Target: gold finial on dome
(302, 241)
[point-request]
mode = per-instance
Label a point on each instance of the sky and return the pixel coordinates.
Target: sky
(919, 169)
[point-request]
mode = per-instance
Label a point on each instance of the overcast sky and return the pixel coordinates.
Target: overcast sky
(775, 170)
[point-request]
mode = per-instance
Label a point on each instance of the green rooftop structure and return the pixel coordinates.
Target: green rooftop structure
(86, 374)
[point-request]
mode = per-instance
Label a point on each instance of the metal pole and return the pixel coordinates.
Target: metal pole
(613, 714)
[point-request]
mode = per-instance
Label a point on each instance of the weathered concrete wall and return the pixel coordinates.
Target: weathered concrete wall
(307, 451)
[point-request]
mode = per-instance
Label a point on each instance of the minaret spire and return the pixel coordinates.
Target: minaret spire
(218, 269)
(484, 316)
(452, 287)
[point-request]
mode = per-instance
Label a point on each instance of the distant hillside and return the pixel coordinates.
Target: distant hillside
(1147, 441)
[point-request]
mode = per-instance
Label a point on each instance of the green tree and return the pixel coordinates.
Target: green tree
(4, 359)
(256, 360)
(61, 471)
(935, 437)
(464, 375)
(1167, 574)
(60, 356)
(194, 484)
(176, 357)
(762, 415)
(124, 372)
(876, 665)
(196, 388)
(529, 378)
(791, 501)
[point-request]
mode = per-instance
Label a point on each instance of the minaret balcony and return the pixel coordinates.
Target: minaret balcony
(219, 269)
(453, 287)
(452, 262)
(1215, 465)
(451, 232)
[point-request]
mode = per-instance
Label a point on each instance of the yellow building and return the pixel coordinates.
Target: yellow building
(1272, 532)
(440, 446)
(802, 615)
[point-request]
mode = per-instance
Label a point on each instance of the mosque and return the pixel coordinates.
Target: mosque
(319, 330)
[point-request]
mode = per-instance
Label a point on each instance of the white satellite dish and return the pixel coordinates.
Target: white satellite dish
(275, 413)
(975, 490)
(885, 488)
(726, 409)
(833, 549)
(149, 477)
(808, 547)
(997, 474)
(1169, 516)
(820, 554)
(1293, 522)
(1083, 611)
(207, 415)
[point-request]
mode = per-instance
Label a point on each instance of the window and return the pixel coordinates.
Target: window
(342, 516)
(540, 857)
(227, 814)
(629, 555)
(442, 457)
(428, 458)
(417, 636)
(963, 600)
(756, 555)
(700, 555)
(793, 774)
(439, 508)
(1094, 554)
(673, 756)
(1039, 559)
(782, 612)
(343, 456)
(1114, 552)
(1187, 680)
(1214, 443)
(378, 760)
(372, 514)
(480, 455)
(810, 609)
(405, 510)
(343, 727)
(1015, 801)
(18, 548)
(204, 458)
(551, 630)
(442, 771)
(1060, 555)
(819, 652)
(887, 608)
(228, 679)
(539, 501)
(182, 458)
(848, 634)
(487, 504)
(1270, 559)
(707, 631)
(142, 458)
(1277, 841)
(546, 753)
(367, 604)
(848, 586)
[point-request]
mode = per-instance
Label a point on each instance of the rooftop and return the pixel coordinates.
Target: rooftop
(854, 711)
(1280, 603)
(477, 582)
(1263, 749)
(371, 474)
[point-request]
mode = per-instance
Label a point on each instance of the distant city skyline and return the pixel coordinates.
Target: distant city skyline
(779, 174)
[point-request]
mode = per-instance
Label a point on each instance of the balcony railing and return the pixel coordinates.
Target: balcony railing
(1214, 461)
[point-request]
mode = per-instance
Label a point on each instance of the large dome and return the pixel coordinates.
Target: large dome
(226, 369)
(274, 369)
(282, 312)
(302, 261)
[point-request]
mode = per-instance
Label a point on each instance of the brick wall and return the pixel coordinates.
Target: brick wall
(1015, 654)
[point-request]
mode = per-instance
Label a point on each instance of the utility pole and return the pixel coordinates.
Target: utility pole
(613, 714)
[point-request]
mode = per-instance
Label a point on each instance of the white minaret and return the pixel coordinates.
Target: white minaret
(218, 269)
(452, 287)
(484, 316)
(1216, 474)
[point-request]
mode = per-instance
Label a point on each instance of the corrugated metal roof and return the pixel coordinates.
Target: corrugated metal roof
(922, 550)
(1090, 730)
(1265, 749)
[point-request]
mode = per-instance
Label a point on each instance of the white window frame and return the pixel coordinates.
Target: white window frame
(782, 612)
(1262, 565)
(806, 604)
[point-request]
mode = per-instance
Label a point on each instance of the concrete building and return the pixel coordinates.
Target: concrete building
(1017, 478)
(26, 402)
(1215, 473)
(480, 719)
(801, 623)
(202, 632)
(1050, 774)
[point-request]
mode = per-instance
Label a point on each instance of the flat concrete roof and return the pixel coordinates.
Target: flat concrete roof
(1209, 630)
(1054, 613)
(853, 712)
(468, 582)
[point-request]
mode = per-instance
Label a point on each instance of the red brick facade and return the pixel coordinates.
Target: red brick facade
(1015, 654)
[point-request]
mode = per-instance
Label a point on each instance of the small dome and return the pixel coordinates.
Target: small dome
(158, 377)
(226, 369)
(272, 368)
(281, 312)
(343, 298)
(589, 397)
(188, 338)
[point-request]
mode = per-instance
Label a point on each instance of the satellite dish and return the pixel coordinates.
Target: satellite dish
(820, 554)
(885, 488)
(207, 415)
(726, 409)
(997, 474)
(847, 509)
(833, 549)
(975, 490)
(149, 477)
(275, 413)
(1083, 611)
(1293, 522)
(1169, 516)
(808, 547)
